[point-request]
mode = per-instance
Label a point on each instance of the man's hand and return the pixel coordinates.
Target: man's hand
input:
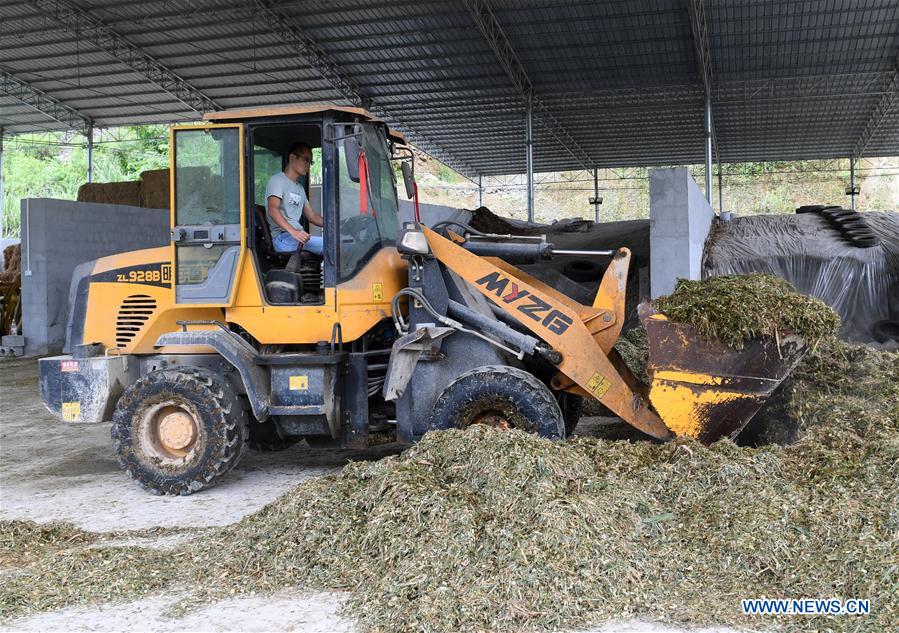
(300, 235)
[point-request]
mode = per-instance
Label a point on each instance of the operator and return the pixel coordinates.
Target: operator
(286, 200)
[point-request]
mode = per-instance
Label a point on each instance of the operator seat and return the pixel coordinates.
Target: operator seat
(264, 241)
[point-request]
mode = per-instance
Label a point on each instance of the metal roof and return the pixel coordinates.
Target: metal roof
(613, 83)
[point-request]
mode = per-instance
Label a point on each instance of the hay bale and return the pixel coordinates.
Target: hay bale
(12, 264)
(155, 189)
(127, 193)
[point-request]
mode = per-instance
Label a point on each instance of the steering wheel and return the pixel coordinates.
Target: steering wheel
(356, 225)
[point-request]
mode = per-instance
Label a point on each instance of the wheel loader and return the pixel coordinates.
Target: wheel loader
(217, 342)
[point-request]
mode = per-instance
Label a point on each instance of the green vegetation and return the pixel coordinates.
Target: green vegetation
(486, 530)
(54, 165)
(735, 308)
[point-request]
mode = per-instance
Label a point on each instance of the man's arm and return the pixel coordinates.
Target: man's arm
(312, 215)
(274, 212)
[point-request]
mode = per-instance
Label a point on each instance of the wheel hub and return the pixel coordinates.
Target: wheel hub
(494, 419)
(177, 430)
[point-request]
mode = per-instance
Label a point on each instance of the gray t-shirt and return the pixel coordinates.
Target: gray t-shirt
(293, 200)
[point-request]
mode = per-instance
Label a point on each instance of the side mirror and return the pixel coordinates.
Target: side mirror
(408, 178)
(351, 150)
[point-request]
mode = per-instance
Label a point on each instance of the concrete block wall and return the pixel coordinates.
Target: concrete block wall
(679, 223)
(57, 235)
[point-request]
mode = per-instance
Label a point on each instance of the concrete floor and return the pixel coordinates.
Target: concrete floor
(50, 471)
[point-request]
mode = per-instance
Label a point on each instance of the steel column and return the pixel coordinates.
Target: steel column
(852, 184)
(595, 194)
(529, 155)
(90, 153)
(720, 189)
(480, 191)
(708, 149)
(2, 227)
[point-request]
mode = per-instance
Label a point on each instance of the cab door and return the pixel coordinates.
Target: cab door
(208, 214)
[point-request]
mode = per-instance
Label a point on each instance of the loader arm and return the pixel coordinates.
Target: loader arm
(583, 335)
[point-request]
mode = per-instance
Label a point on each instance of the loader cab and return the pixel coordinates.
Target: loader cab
(225, 165)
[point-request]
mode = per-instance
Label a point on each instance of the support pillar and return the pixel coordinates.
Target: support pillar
(852, 190)
(529, 156)
(595, 194)
(2, 227)
(90, 153)
(480, 191)
(720, 189)
(708, 149)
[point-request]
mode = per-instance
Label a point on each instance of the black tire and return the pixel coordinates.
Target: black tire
(572, 409)
(582, 270)
(864, 242)
(200, 409)
(886, 330)
(502, 396)
(810, 208)
(265, 438)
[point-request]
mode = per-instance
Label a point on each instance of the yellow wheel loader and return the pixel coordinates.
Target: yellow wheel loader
(217, 342)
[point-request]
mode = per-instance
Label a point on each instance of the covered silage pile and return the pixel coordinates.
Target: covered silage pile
(488, 530)
(861, 284)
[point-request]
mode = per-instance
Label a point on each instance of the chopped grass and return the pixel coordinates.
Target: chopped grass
(485, 530)
(735, 308)
(633, 347)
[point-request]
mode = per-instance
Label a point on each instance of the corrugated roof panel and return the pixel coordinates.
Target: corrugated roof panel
(791, 79)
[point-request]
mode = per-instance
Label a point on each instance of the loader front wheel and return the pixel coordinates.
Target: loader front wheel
(177, 431)
(571, 407)
(500, 396)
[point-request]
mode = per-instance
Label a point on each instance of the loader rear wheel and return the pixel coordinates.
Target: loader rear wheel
(177, 431)
(500, 396)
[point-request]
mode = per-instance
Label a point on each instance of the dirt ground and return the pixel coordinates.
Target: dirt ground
(51, 471)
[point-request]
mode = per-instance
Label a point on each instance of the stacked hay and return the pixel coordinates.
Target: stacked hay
(155, 189)
(127, 193)
(150, 191)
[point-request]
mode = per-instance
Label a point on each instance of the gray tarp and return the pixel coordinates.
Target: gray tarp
(861, 284)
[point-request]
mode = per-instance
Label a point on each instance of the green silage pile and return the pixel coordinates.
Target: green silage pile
(735, 308)
(485, 530)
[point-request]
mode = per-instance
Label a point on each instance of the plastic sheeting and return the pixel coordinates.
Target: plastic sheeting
(861, 284)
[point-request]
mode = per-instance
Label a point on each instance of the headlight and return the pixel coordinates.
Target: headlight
(412, 242)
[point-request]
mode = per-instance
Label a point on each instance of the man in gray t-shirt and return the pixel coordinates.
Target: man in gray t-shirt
(286, 203)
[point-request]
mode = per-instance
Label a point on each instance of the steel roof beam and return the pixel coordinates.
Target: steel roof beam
(496, 38)
(285, 27)
(887, 102)
(87, 27)
(44, 103)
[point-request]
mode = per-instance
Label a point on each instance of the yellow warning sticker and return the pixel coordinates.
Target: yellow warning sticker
(71, 411)
(299, 383)
(377, 291)
(598, 385)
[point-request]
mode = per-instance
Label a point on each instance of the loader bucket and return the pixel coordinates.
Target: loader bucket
(704, 389)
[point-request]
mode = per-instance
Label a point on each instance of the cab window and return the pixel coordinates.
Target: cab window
(368, 219)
